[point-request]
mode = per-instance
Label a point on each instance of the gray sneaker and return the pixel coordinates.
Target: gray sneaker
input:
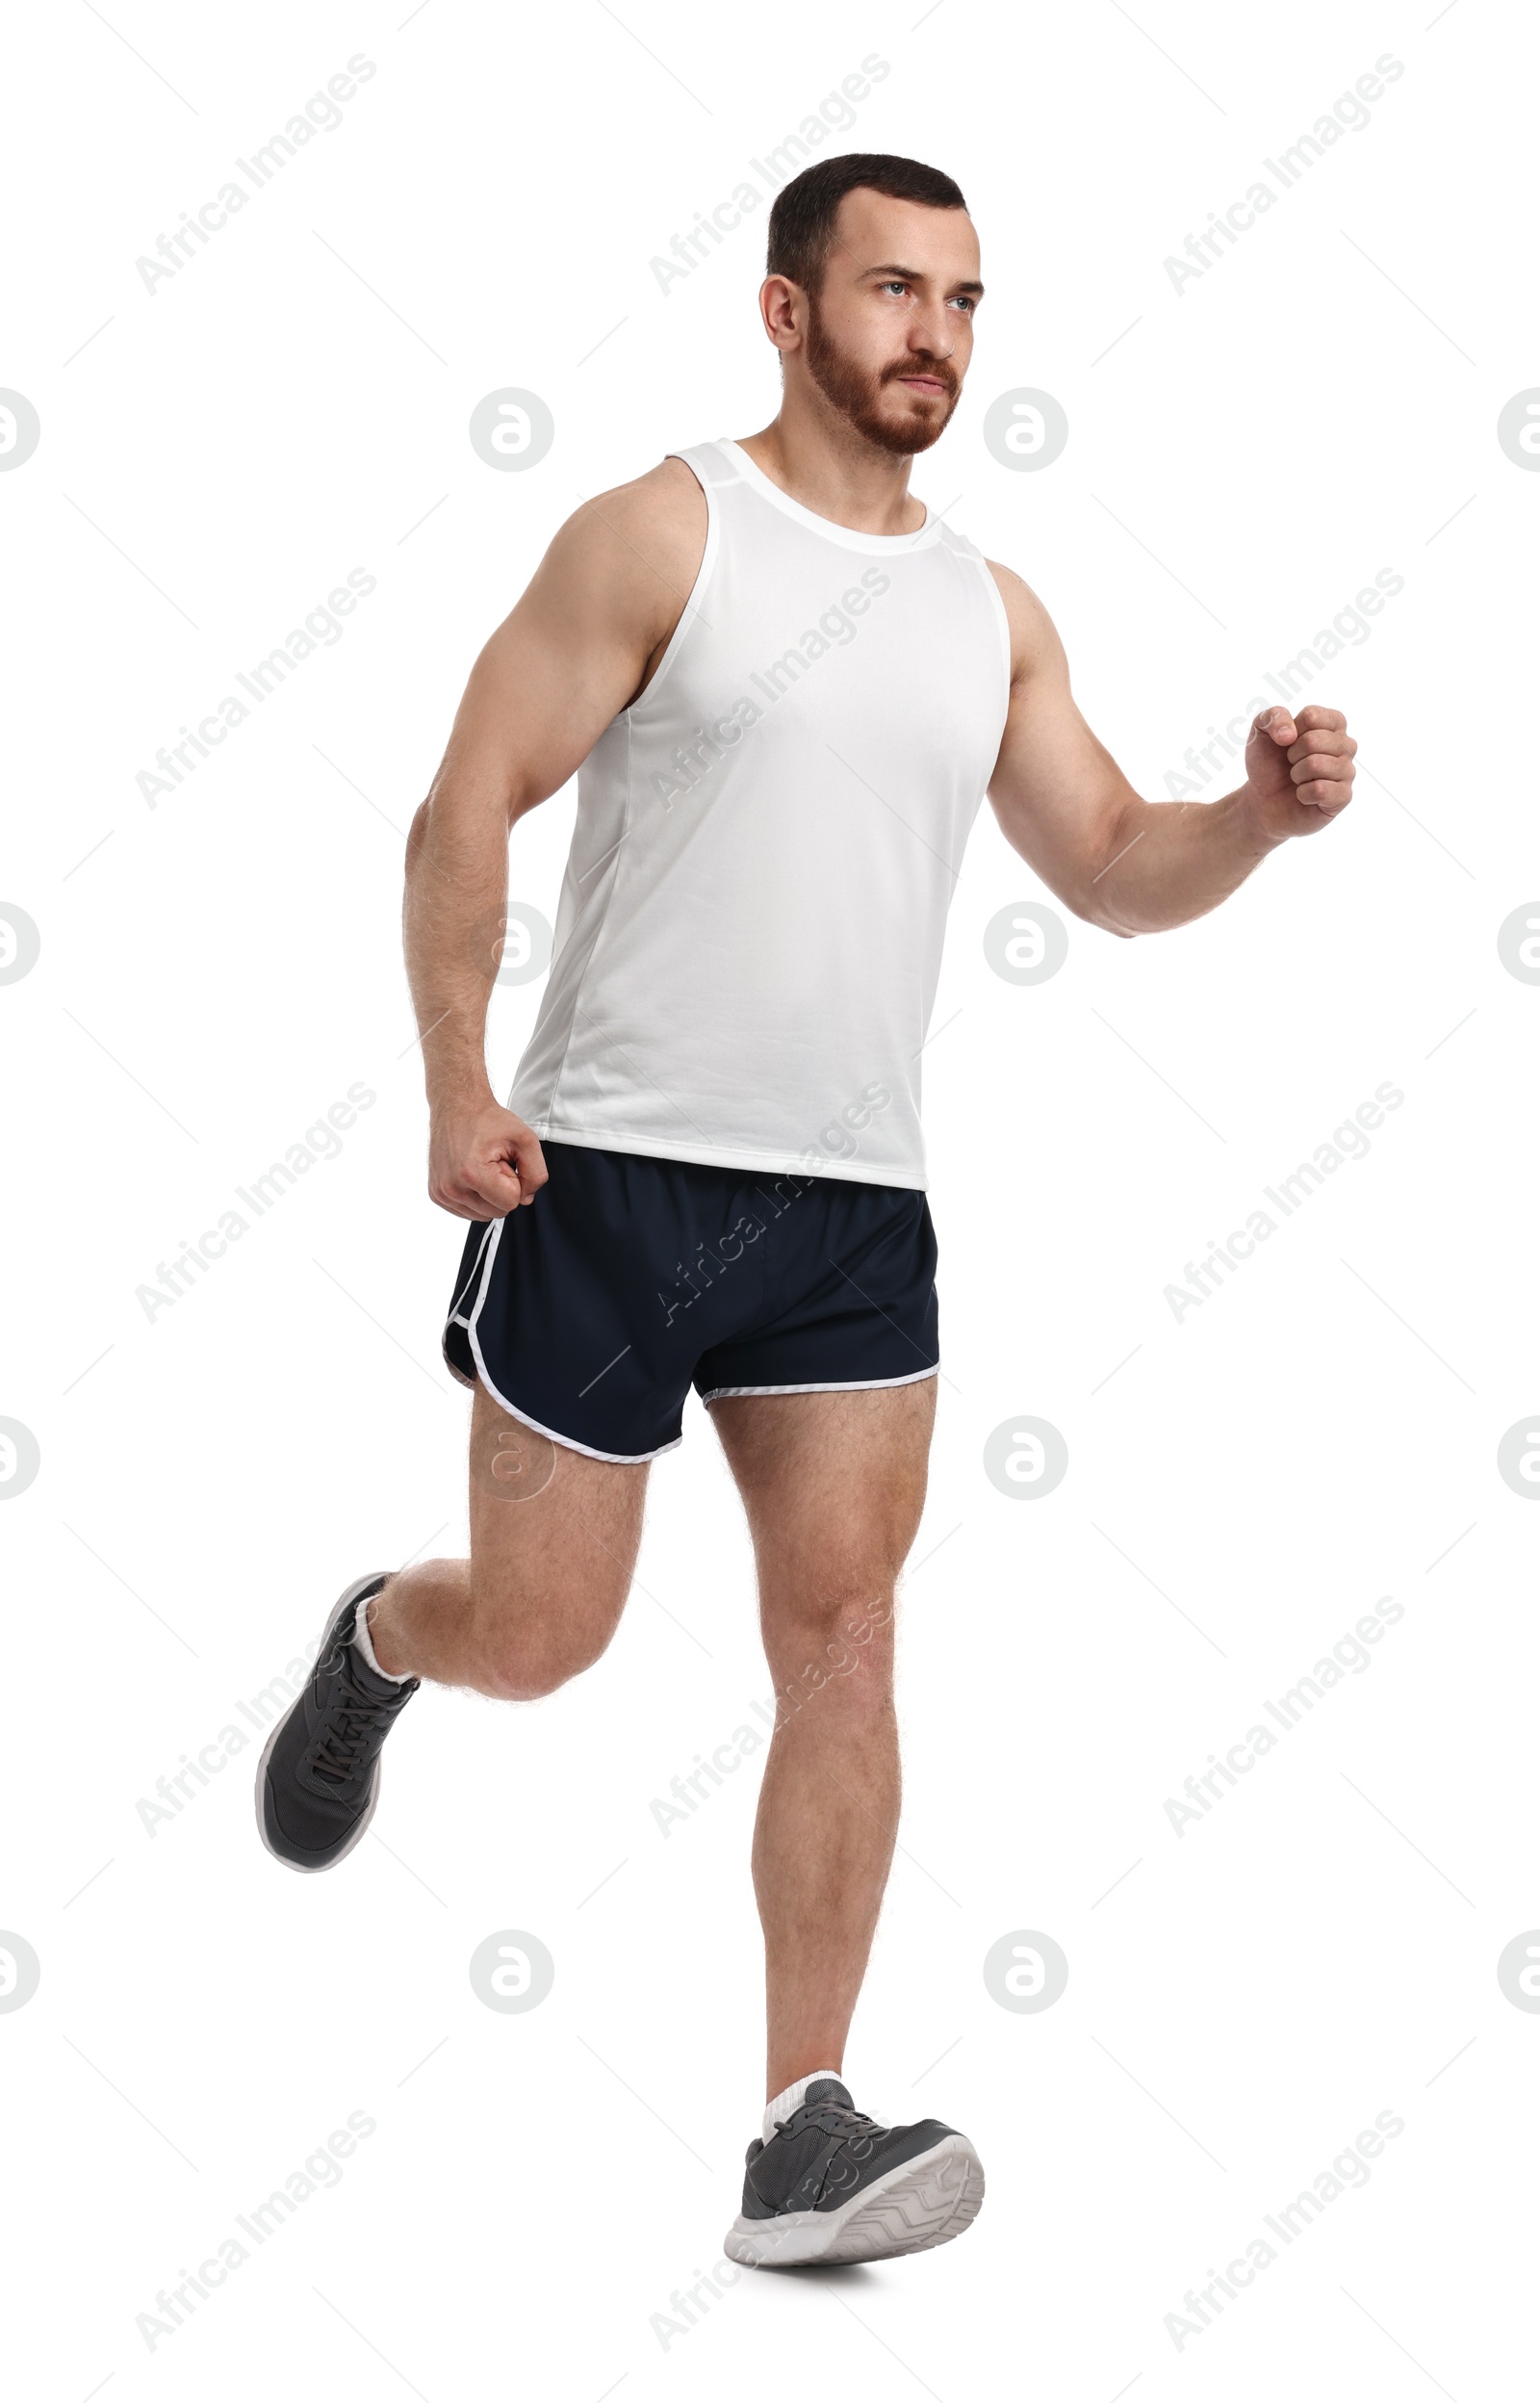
(834, 2185)
(318, 1780)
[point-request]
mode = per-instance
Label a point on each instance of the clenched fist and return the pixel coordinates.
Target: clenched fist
(482, 1161)
(1299, 770)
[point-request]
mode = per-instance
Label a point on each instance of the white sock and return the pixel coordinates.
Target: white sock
(365, 1644)
(782, 2105)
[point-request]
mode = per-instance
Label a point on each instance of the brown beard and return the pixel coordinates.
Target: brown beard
(853, 391)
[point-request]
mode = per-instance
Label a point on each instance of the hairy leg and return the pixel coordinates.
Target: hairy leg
(833, 1485)
(553, 1542)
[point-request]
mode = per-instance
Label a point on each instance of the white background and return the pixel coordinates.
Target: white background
(1243, 1484)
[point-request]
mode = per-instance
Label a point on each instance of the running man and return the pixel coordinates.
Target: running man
(784, 686)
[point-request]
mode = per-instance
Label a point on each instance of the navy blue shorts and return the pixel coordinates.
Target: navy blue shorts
(591, 1312)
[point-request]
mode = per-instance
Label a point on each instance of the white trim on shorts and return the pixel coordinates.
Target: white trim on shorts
(462, 1290)
(619, 1460)
(858, 1384)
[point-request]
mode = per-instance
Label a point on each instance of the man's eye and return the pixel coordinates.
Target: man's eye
(893, 284)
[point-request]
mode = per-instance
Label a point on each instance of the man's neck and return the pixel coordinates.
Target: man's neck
(823, 461)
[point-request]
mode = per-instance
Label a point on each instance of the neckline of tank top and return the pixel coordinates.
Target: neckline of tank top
(849, 537)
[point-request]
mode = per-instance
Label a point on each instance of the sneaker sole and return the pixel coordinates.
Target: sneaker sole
(926, 2202)
(316, 1869)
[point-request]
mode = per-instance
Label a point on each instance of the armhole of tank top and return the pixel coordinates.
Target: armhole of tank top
(702, 574)
(1002, 624)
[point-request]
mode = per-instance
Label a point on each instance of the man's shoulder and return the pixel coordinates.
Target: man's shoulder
(1034, 636)
(660, 518)
(628, 558)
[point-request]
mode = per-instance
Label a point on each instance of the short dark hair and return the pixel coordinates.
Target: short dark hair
(801, 221)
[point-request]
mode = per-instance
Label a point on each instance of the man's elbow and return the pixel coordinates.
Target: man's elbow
(1095, 909)
(417, 834)
(1106, 923)
(460, 813)
(1122, 830)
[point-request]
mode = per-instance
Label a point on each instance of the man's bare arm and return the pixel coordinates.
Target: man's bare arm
(1131, 866)
(578, 647)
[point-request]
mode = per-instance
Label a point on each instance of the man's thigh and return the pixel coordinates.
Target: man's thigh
(833, 1486)
(554, 1539)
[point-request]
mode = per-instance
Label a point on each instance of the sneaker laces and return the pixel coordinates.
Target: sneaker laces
(856, 2137)
(353, 1724)
(835, 2119)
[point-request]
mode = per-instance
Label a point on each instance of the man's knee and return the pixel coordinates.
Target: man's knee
(835, 1630)
(847, 1590)
(515, 1673)
(523, 1663)
(525, 1651)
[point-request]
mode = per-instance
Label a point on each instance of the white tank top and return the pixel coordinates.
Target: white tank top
(750, 929)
